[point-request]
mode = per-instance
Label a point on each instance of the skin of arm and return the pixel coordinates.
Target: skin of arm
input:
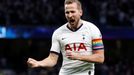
(96, 57)
(48, 62)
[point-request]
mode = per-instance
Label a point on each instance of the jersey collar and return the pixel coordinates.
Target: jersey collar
(75, 29)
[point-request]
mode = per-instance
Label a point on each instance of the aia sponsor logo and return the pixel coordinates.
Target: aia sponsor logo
(75, 47)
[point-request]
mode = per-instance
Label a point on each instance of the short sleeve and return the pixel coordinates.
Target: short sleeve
(55, 47)
(97, 42)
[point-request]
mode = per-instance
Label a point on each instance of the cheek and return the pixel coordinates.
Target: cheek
(66, 16)
(78, 15)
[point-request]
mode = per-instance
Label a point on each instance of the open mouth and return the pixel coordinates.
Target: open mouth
(72, 21)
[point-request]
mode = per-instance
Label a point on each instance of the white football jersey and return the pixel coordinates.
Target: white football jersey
(85, 39)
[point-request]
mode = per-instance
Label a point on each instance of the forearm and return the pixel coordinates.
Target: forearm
(95, 58)
(50, 61)
(46, 63)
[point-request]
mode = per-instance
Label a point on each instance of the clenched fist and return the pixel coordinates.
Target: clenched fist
(32, 63)
(73, 55)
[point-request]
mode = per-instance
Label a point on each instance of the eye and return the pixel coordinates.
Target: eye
(67, 12)
(72, 11)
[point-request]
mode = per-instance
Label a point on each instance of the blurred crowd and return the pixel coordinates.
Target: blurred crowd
(51, 12)
(30, 12)
(104, 13)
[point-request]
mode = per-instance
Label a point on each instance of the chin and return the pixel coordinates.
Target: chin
(72, 24)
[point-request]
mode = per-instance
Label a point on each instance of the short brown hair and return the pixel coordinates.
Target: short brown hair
(74, 1)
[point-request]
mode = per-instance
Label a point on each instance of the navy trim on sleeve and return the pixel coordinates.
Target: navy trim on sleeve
(98, 49)
(54, 52)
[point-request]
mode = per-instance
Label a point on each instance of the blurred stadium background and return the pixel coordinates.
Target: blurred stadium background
(26, 27)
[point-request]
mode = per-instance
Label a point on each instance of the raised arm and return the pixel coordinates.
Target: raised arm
(50, 61)
(96, 57)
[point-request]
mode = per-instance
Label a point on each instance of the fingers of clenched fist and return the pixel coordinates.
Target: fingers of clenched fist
(32, 63)
(71, 55)
(68, 53)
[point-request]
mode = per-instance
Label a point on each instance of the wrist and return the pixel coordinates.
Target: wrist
(80, 57)
(39, 64)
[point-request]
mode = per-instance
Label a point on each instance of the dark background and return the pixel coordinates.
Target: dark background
(30, 23)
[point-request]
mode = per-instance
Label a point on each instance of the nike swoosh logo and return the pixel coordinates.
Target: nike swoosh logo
(63, 38)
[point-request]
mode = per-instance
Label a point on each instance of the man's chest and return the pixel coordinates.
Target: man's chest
(75, 40)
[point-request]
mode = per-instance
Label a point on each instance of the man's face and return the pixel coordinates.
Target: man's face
(72, 13)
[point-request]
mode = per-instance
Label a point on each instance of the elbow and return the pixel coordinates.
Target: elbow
(101, 60)
(54, 64)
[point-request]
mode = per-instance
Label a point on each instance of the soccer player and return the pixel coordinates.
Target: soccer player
(79, 41)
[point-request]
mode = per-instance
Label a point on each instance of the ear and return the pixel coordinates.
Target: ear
(81, 12)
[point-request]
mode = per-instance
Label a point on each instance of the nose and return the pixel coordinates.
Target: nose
(70, 15)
